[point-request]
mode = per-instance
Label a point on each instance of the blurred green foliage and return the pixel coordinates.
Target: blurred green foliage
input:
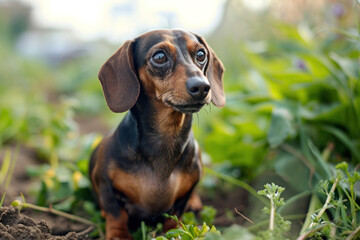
(294, 92)
(293, 108)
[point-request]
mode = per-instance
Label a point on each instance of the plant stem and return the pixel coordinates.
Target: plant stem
(314, 230)
(263, 223)
(242, 215)
(143, 230)
(328, 199)
(352, 206)
(314, 202)
(354, 233)
(272, 215)
(59, 213)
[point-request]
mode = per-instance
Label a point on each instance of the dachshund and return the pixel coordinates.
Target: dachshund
(151, 163)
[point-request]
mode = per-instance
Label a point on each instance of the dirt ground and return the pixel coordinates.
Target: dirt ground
(30, 224)
(15, 226)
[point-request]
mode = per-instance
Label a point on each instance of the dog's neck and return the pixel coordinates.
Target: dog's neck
(164, 134)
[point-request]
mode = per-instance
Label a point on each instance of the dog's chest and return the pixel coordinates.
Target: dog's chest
(144, 190)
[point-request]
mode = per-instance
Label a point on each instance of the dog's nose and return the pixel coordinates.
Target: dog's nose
(197, 87)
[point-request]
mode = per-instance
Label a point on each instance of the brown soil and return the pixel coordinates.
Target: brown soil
(16, 226)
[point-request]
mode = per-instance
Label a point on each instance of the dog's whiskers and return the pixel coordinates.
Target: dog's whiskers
(205, 109)
(198, 122)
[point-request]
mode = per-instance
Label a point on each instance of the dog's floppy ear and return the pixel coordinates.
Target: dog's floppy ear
(119, 81)
(214, 72)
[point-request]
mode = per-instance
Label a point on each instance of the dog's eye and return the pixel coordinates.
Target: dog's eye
(159, 57)
(201, 56)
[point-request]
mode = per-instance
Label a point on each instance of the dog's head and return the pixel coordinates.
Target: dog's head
(175, 67)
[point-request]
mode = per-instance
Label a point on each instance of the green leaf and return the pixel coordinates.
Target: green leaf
(204, 229)
(322, 168)
(208, 214)
(315, 62)
(175, 233)
(43, 195)
(349, 34)
(161, 238)
(189, 218)
(90, 207)
(143, 230)
(65, 205)
(236, 232)
(280, 127)
(213, 236)
(192, 230)
(342, 136)
(284, 166)
(349, 67)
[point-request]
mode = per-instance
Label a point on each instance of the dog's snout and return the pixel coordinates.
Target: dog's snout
(197, 87)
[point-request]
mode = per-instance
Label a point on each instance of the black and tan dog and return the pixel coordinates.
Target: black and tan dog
(151, 164)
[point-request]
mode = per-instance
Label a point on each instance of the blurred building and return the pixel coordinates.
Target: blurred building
(14, 18)
(51, 45)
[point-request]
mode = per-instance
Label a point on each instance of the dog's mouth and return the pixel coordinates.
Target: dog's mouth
(186, 108)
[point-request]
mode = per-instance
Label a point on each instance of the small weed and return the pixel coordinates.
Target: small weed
(277, 225)
(188, 232)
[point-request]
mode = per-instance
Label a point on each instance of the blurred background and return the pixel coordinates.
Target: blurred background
(292, 83)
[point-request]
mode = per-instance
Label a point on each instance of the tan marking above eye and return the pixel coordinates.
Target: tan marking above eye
(165, 47)
(194, 48)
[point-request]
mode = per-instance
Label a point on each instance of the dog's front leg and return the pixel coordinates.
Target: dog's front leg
(117, 227)
(115, 215)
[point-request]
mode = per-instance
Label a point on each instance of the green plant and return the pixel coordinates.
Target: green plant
(67, 186)
(188, 232)
(207, 215)
(273, 193)
(293, 86)
(340, 212)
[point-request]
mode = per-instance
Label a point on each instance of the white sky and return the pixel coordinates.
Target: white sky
(124, 19)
